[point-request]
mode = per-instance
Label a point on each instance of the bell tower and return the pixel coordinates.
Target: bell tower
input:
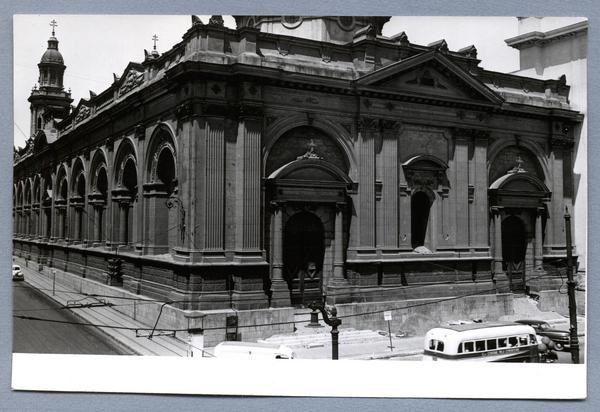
(49, 101)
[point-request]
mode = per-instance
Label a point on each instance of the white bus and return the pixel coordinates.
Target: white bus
(482, 342)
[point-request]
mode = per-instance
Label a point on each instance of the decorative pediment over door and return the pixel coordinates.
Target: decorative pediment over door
(429, 74)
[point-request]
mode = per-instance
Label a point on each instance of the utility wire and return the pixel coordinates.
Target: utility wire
(272, 323)
(147, 300)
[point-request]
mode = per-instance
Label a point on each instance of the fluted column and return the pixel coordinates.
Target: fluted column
(280, 294)
(277, 256)
(497, 240)
(338, 257)
(539, 251)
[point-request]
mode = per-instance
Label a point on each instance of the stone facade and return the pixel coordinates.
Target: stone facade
(261, 167)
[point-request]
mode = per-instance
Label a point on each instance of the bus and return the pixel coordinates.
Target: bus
(482, 342)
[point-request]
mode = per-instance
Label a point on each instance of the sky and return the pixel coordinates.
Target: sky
(96, 46)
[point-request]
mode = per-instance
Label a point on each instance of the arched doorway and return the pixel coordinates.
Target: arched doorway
(317, 191)
(303, 251)
(514, 248)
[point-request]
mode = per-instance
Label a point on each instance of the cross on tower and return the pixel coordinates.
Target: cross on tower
(311, 146)
(155, 39)
(54, 24)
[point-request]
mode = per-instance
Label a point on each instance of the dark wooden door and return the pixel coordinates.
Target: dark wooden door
(303, 251)
(514, 248)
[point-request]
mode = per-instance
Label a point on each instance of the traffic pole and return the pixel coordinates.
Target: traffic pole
(571, 291)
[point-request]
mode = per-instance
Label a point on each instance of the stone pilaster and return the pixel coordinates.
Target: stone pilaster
(480, 196)
(215, 187)
(461, 167)
(368, 128)
(390, 223)
(338, 289)
(248, 189)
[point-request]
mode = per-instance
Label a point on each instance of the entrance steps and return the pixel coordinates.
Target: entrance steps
(311, 337)
(527, 308)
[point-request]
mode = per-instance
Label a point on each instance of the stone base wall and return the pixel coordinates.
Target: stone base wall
(217, 291)
(418, 316)
(558, 301)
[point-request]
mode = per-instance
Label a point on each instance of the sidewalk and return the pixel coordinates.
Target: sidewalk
(104, 315)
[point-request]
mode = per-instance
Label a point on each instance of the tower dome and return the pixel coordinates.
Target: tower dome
(52, 65)
(52, 55)
(49, 102)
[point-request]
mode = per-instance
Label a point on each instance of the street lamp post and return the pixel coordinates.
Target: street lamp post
(332, 321)
(574, 344)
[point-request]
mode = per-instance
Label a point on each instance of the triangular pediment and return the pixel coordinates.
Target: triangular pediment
(132, 77)
(82, 111)
(429, 74)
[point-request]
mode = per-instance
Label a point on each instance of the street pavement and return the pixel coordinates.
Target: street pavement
(31, 336)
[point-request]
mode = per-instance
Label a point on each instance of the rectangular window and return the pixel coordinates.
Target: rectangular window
(523, 340)
(436, 345)
(513, 341)
(502, 342)
(480, 345)
(469, 346)
(460, 348)
(491, 344)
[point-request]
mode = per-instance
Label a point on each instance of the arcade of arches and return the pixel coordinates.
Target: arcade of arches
(254, 192)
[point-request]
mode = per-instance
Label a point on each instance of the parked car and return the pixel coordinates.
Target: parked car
(560, 337)
(16, 273)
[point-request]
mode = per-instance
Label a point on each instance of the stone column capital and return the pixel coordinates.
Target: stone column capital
(276, 205)
(496, 209)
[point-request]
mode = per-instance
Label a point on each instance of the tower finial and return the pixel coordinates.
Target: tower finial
(54, 24)
(155, 39)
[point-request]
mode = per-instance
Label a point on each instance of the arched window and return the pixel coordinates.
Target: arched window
(130, 183)
(420, 207)
(39, 123)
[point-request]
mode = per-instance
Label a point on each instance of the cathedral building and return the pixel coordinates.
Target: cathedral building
(297, 159)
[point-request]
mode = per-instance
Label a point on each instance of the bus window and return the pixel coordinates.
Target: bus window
(512, 341)
(460, 348)
(502, 343)
(468, 346)
(436, 345)
(523, 340)
(491, 344)
(480, 345)
(532, 340)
